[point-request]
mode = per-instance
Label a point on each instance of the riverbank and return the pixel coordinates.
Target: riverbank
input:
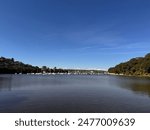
(140, 76)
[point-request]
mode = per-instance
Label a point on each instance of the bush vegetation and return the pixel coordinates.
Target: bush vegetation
(136, 66)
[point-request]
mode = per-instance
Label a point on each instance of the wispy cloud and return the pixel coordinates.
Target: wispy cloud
(98, 40)
(114, 48)
(93, 34)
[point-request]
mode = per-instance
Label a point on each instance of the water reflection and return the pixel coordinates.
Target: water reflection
(13, 82)
(137, 85)
(5, 82)
(73, 93)
(141, 88)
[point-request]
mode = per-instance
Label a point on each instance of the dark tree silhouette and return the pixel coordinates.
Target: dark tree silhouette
(135, 66)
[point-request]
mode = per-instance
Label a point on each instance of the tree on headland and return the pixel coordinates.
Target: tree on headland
(10, 66)
(135, 66)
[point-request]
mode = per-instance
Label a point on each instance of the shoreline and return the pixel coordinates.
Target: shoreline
(138, 76)
(106, 73)
(55, 74)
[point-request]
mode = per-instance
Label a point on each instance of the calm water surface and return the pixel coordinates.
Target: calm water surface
(73, 93)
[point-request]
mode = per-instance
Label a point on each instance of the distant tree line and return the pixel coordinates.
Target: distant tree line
(135, 66)
(10, 66)
(45, 69)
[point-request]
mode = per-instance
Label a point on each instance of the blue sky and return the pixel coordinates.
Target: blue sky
(74, 33)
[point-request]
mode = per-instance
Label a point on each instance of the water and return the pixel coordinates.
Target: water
(73, 93)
